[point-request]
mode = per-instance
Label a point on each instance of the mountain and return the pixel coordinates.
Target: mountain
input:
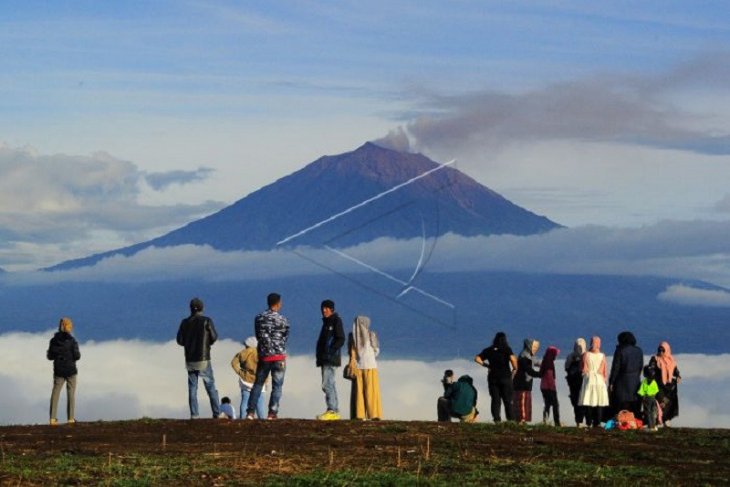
(439, 200)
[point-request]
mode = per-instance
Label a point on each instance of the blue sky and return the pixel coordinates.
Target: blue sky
(588, 112)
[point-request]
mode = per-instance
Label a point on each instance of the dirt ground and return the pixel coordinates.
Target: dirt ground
(217, 452)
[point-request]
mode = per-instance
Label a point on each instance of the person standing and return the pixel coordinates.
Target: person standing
(522, 381)
(364, 348)
(594, 392)
(648, 390)
(668, 379)
(574, 377)
(625, 377)
(501, 363)
(244, 364)
(63, 349)
(272, 333)
(548, 387)
(197, 333)
(330, 341)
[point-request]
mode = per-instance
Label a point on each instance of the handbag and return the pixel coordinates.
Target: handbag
(347, 372)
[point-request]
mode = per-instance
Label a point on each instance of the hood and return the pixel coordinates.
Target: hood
(551, 353)
(467, 379)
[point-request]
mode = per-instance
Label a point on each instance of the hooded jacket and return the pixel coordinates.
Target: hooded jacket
(526, 364)
(197, 333)
(330, 341)
(547, 369)
(63, 349)
(462, 396)
(626, 367)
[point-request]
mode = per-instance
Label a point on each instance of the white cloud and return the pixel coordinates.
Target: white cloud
(692, 296)
(73, 204)
(686, 250)
(125, 379)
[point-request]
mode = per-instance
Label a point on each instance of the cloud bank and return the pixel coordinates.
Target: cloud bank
(110, 384)
(691, 296)
(682, 250)
(54, 202)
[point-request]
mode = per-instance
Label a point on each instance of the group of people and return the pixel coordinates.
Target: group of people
(263, 360)
(596, 395)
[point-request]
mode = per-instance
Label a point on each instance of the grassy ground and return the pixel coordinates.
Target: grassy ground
(299, 452)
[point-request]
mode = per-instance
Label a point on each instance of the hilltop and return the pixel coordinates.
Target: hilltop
(301, 452)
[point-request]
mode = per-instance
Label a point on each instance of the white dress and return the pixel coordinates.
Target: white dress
(594, 392)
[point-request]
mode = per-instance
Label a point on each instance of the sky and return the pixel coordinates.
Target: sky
(121, 121)
(409, 388)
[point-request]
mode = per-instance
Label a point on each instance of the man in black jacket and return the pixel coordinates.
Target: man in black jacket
(197, 333)
(330, 341)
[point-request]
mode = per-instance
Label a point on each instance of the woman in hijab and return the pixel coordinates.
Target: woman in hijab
(522, 382)
(364, 347)
(668, 378)
(625, 377)
(594, 393)
(574, 377)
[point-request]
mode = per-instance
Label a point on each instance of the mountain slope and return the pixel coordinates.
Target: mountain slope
(443, 201)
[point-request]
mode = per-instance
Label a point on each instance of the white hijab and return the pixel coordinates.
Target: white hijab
(366, 343)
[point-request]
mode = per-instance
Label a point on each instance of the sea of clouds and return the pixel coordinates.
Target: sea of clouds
(127, 379)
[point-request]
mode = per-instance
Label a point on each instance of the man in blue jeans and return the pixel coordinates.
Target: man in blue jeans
(197, 333)
(272, 333)
(330, 341)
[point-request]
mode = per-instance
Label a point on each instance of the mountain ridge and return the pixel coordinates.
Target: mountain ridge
(432, 200)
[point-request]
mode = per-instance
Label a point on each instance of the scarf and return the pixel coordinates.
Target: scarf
(666, 363)
(361, 335)
(579, 348)
(548, 360)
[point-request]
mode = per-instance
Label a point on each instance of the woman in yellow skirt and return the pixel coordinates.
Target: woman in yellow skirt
(364, 348)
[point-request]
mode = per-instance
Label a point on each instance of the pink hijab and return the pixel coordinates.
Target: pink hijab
(666, 363)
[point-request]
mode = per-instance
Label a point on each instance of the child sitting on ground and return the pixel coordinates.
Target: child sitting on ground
(648, 391)
(226, 410)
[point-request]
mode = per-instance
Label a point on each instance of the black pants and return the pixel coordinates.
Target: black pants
(443, 409)
(593, 415)
(551, 401)
(500, 390)
(575, 382)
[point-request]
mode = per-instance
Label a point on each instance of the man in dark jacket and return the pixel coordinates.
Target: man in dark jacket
(462, 397)
(63, 349)
(197, 333)
(330, 341)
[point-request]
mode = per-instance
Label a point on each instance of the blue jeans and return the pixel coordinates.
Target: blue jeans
(209, 383)
(328, 386)
(260, 408)
(263, 369)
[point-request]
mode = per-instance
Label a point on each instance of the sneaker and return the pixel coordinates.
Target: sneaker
(53, 422)
(329, 415)
(71, 421)
(272, 416)
(250, 416)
